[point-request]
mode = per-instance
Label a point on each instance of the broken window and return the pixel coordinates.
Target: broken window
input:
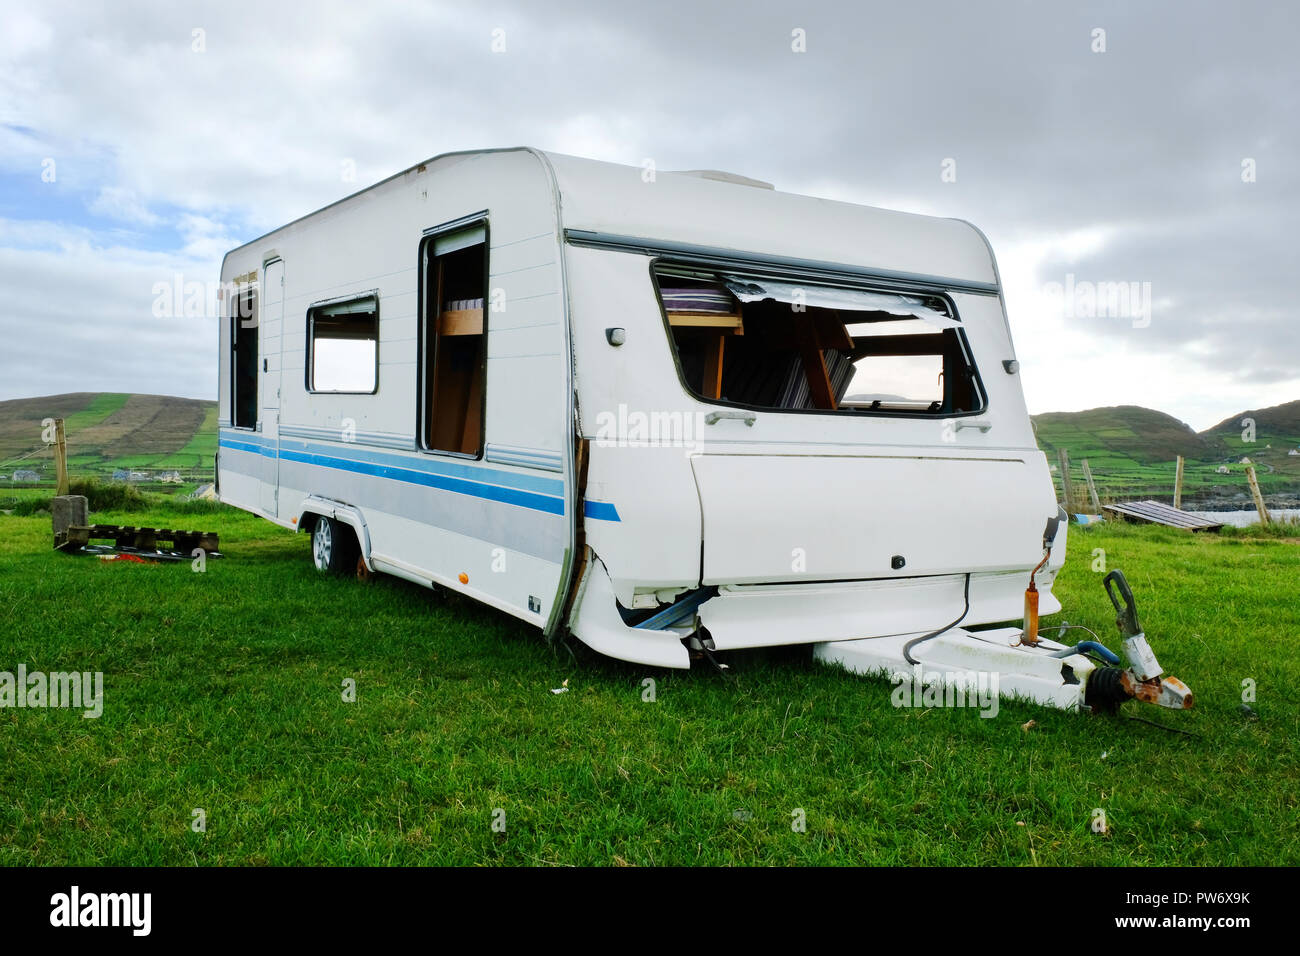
(777, 344)
(243, 366)
(343, 346)
(453, 364)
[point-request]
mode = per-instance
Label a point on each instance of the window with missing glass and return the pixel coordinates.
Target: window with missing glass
(773, 343)
(343, 346)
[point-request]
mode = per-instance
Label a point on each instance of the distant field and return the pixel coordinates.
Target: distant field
(223, 692)
(203, 445)
(99, 408)
(109, 431)
(1132, 451)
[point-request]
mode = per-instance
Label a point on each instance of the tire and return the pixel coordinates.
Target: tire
(333, 547)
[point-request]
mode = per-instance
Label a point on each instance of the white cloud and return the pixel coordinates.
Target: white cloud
(1122, 166)
(117, 202)
(78, 318)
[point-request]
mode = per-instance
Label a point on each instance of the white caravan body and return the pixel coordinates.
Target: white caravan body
(548, 426)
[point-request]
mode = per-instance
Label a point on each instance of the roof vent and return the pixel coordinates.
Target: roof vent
(719, 175)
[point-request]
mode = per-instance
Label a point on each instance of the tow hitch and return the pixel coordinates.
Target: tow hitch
(1108, 687)
(952, 665)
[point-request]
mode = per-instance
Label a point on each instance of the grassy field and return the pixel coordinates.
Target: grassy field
(107, 431)
(223, 691)
(1132, 451)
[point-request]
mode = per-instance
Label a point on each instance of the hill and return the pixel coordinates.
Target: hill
(1131, 451)
(111, 430)
(1280, 422)
(1124, 433)
(1277, 434)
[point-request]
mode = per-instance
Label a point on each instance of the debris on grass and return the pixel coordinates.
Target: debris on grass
(125, 557)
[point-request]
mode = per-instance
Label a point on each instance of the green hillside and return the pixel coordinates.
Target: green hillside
(107, 431)
(1122, 434)
(1278, 427)
(1132, 450)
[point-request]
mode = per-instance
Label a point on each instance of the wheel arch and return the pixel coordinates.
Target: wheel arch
(314, 508)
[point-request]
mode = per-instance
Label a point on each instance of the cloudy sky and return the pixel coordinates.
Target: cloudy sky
(141, 141)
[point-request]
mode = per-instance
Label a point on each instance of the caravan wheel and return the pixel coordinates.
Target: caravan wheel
(330, 546)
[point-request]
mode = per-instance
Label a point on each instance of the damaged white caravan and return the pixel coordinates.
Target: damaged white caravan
(674, 415)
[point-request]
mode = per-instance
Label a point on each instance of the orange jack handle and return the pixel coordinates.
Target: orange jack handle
(1030, 636)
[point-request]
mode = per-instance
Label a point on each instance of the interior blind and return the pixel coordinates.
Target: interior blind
(460, 239)
(355, 307)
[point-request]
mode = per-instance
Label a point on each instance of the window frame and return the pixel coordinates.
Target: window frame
(423, 362)
(846, 282)
(310, 340)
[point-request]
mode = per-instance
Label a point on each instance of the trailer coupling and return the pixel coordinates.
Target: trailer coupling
(1143, 679)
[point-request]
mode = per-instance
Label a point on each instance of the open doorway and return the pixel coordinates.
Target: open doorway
(453, 365)
(243, 370)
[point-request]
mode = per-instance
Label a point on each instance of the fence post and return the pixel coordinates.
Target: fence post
(60, 457)
(1067, 488)
(1178, 483)
(1092, 487)
(1254, 493)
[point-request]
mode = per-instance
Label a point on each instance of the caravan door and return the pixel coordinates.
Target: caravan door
(271, 335)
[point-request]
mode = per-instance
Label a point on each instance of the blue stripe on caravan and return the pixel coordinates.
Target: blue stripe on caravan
(239, 434)
(476, 489)
(249, 447)
(600, 510)
(429, 464)
(410, 462)
(433, 474)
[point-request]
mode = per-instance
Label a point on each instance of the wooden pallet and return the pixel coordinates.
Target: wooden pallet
(1156, 512)
(157, 541)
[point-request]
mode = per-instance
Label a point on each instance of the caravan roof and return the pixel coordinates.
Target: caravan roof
(688, 209)
(691, 210)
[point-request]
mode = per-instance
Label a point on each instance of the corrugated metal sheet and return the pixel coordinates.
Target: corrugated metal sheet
(1157, 512)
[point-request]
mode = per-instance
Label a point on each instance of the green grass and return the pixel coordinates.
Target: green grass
(203, 445)
(222, 692)
(100, 407)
